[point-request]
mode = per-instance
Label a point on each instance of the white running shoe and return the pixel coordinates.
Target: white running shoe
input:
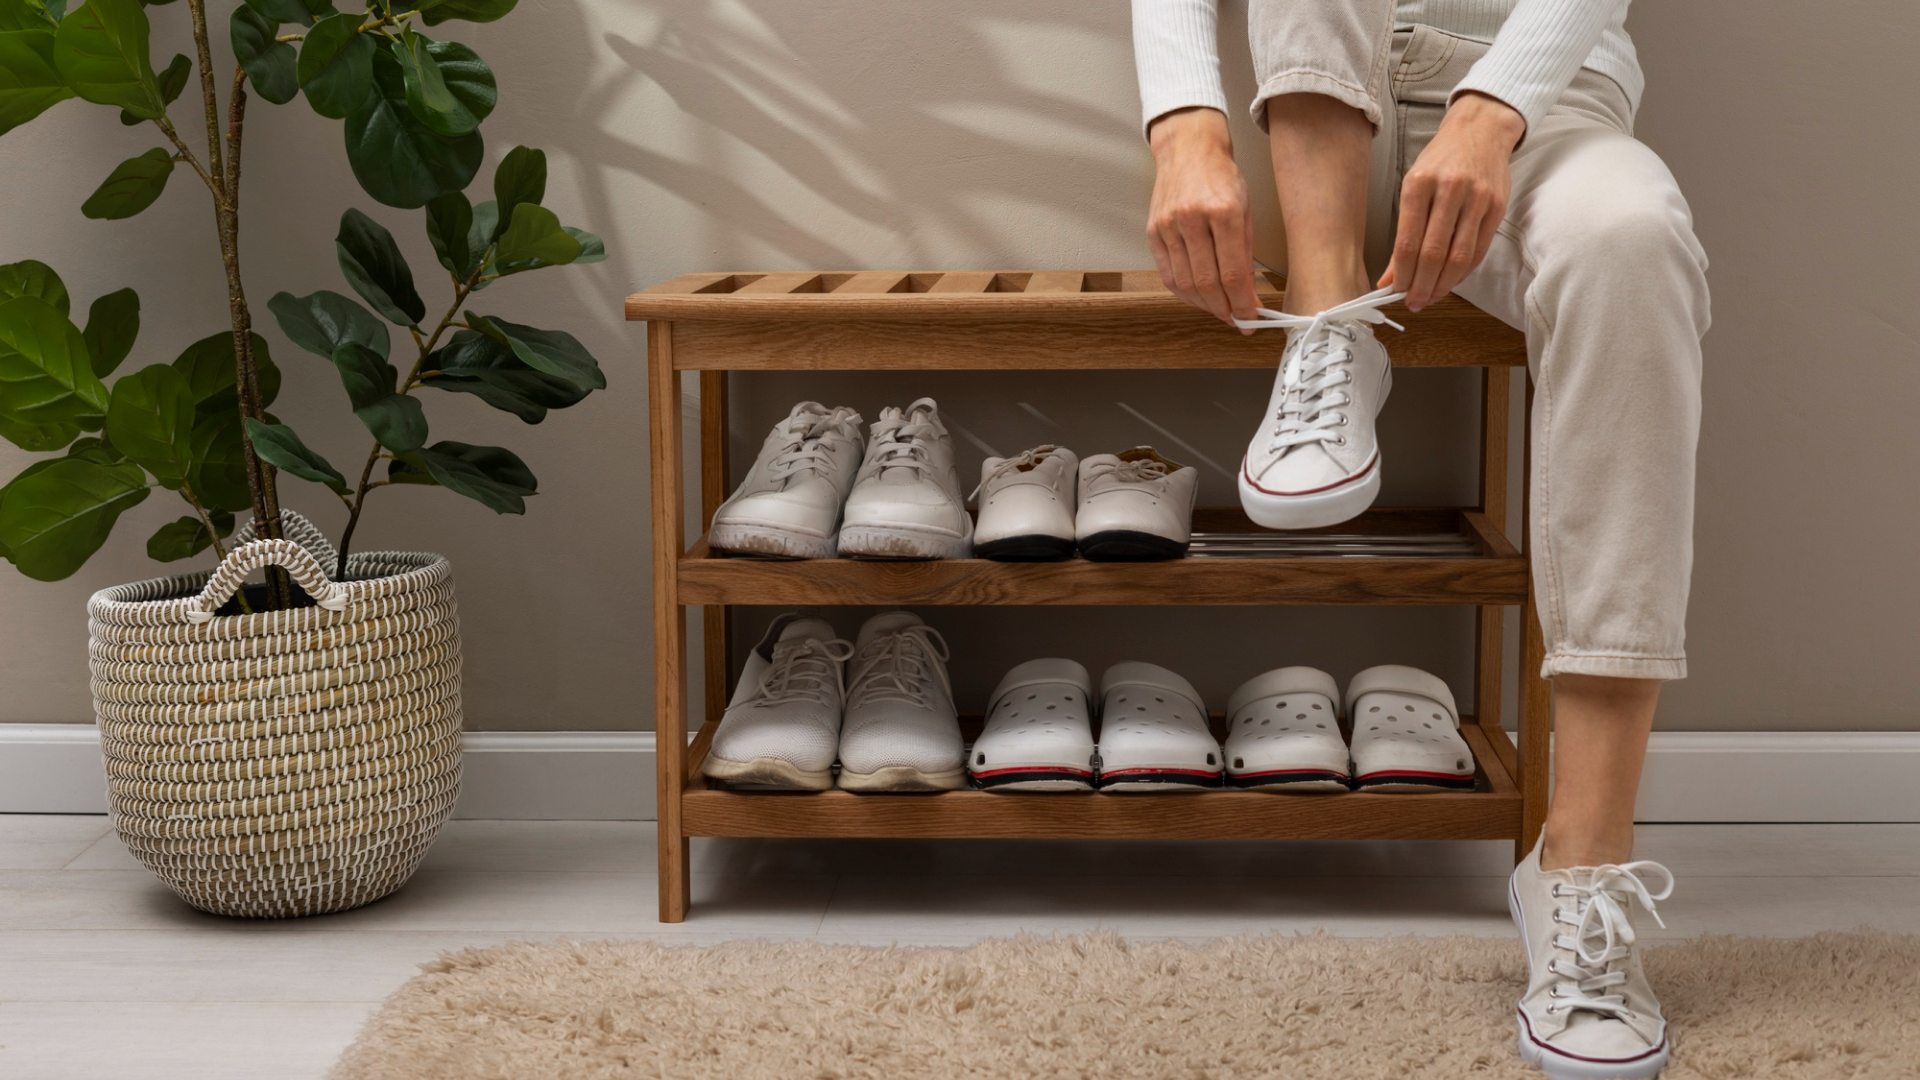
(782, 726)
(1039, 733)
(1153, 732)
(1283, 733)
(1135, 506)
(789, 504)
(1026, 505)
(906, 501)
(1315, 460)
(1406, 732)
(1588, 1013)
(901, 732)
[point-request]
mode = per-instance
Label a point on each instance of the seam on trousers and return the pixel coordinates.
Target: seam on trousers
(1609, 665)
(1554, 618)
(1317, 82)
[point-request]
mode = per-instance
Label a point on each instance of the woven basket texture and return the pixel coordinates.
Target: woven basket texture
(290, 762)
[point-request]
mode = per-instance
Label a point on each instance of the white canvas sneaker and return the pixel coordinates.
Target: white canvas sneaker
(1039, 733)
(1406, 732)
(1314, 461)
(782, 726)
(1134, 506)
(1283, 733)
(789, 504)
(1153, 732)
(1027, 505)
(1588, 1013)
(906, 502)
(901, 732)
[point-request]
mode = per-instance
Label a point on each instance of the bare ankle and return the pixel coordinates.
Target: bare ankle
(1310, 292)
(1557, 853)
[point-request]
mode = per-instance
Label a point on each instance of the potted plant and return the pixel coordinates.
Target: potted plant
(288, 747)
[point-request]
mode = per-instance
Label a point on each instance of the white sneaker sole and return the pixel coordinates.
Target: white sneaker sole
(750, 539)
(768, 773)
(903, 542)
(903, 778)
(1311, 511)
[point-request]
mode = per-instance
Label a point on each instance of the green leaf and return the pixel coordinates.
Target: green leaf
(172, 82)
(279, 446)
(25, 15)
(212, 373)
(30, 82)
(53, 521)
(183, 538)
(336, 65)
(291, 11)
(37, 438)
(479, 11)
(448, 218)
(30, 277)
(488, 474)
(467, 76)
(113, 321)
(521, 178)
(57, 9)
(219, 474)
(97, 450)
(555, 352)
(427, 95)
(101, 52)
(324, 321)
(132, 187)
(533, 240)
(270, 65)
(475, 364)
(150, 419)
(486, 219)
(45, 376)
(373, 265)
(396, 420)
(592, 248)
(397, 159)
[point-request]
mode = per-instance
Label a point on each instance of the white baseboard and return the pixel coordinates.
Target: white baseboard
(1692, 776)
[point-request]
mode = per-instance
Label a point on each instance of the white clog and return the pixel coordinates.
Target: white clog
(1039, 732)
(1283, 733)
(1406, 732)
(1153, 732)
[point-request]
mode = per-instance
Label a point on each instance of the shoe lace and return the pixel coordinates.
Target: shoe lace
(1024, 461)
(1307, 414)
(805, 451)
(1106, 476)
(899, 442)
(805, 669)
(1602, 935)
(901, 666)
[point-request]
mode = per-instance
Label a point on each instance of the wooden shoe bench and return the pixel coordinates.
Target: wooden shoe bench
(1082, 320)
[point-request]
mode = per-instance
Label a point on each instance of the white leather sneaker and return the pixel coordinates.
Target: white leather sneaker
(1153, 732)
(901, 732)
(1027, 505)
(782, 726)
(1039, 733)
(1135, 506)
(1588, 1013)
(906, 502)
(789, 504)
(1406, 732)
(1314, 461)
(1283, 733)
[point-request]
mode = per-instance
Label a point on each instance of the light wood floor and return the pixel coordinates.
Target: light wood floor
(104, 974)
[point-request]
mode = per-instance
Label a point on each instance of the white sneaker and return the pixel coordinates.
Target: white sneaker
(1283, 733)
(1314, 460)
(1588, 1013)
(1406, 732)
(906, 501)
(1039, 733)
(1153, 732)
(901, 732)
(789, 504)
(1026, 505)
(1134, 506)
(782, 726)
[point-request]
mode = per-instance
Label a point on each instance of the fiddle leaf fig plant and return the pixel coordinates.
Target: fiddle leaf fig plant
(410, 109)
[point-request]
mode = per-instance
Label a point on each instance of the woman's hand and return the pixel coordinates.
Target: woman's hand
(1454, 198)
(1198, 225)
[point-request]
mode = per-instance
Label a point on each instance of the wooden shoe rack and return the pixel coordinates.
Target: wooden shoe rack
(1061, 319)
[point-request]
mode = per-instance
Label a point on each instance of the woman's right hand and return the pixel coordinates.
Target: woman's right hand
(1198, 225)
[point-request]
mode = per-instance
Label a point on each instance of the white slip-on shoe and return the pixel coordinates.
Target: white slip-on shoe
(906, 502)
(1315, 461)
(783, 724)
(1406, 732)
(1039, 732)
(1026, 505)
(789, 504)
(901, 732)
(1283, 733)
(1153, 732)
(1134, 506)
(1588, 1013)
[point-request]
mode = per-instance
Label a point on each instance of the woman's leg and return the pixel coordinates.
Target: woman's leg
(1600, 729)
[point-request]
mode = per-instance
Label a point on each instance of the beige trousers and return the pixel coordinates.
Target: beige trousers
(1597, 263)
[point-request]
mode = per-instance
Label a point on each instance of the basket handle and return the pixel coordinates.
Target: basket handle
(251, 556)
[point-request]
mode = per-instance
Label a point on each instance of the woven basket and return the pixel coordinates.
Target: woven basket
(291, 762)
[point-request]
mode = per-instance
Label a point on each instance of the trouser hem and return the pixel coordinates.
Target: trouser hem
(1315, 82)
(1615, 666)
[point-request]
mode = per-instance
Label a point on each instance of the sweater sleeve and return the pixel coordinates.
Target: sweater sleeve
(1177, 56)
(1537, 52)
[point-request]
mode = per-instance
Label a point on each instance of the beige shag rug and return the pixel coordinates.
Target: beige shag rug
(1099, 1007)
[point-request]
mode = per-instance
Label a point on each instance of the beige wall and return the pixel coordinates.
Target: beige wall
(703, 135)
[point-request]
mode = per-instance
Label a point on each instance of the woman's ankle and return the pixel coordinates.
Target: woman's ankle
(1314, 286)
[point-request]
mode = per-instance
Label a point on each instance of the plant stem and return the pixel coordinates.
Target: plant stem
(186, 155)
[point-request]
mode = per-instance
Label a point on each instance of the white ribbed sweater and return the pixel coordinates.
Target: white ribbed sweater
(1537, 47)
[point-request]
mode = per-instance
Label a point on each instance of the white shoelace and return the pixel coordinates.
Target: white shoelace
(805, 669)
(897, 442)
(806, 453)
(901, 666)
(1025, 460)
(1306, 414)
(1601, 916)
(1138, 471)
